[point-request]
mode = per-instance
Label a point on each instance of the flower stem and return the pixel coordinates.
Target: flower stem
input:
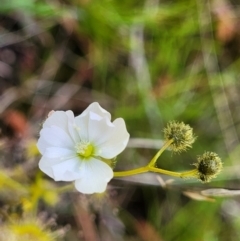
(131, 172)
(150, 167)
(163, 148)
(166, 172)
(191, 173)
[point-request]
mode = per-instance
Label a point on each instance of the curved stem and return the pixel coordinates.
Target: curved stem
(191, 173)
(163, 148)
(150, 165)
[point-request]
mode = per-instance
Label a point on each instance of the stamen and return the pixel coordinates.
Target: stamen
(84, 149)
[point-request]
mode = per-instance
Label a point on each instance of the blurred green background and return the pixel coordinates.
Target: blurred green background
(146, 61)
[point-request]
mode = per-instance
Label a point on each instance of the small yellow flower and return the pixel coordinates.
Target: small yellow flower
(29, 229)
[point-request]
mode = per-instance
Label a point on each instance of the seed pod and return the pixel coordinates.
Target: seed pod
(181, 135)
(208, 165)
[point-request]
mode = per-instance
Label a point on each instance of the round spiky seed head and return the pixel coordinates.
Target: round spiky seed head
(181, 135)
(208, 165)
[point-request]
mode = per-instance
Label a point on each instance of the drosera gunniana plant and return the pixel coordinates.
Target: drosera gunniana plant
(84, 149)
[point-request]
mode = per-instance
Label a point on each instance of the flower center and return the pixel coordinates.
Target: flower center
(84, 149)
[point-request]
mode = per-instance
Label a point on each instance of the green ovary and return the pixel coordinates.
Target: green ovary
(84, 149)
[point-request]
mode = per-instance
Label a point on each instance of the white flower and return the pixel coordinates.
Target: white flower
(73, 148)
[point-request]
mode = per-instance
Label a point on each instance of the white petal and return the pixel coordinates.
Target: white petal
(58, 118)
(42, 145)
(113, 141)
(97, 109)
(95, 176)
(54, 136)
(86, 121)
(64, 120)
(82, 125)
(58, 152)
(99, 129)
(61, 169)
(72, 127)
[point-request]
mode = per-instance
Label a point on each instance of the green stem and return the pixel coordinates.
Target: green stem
(166, 172)
(164, 147)
(191, 173)
(131, 172)
(150, 167)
